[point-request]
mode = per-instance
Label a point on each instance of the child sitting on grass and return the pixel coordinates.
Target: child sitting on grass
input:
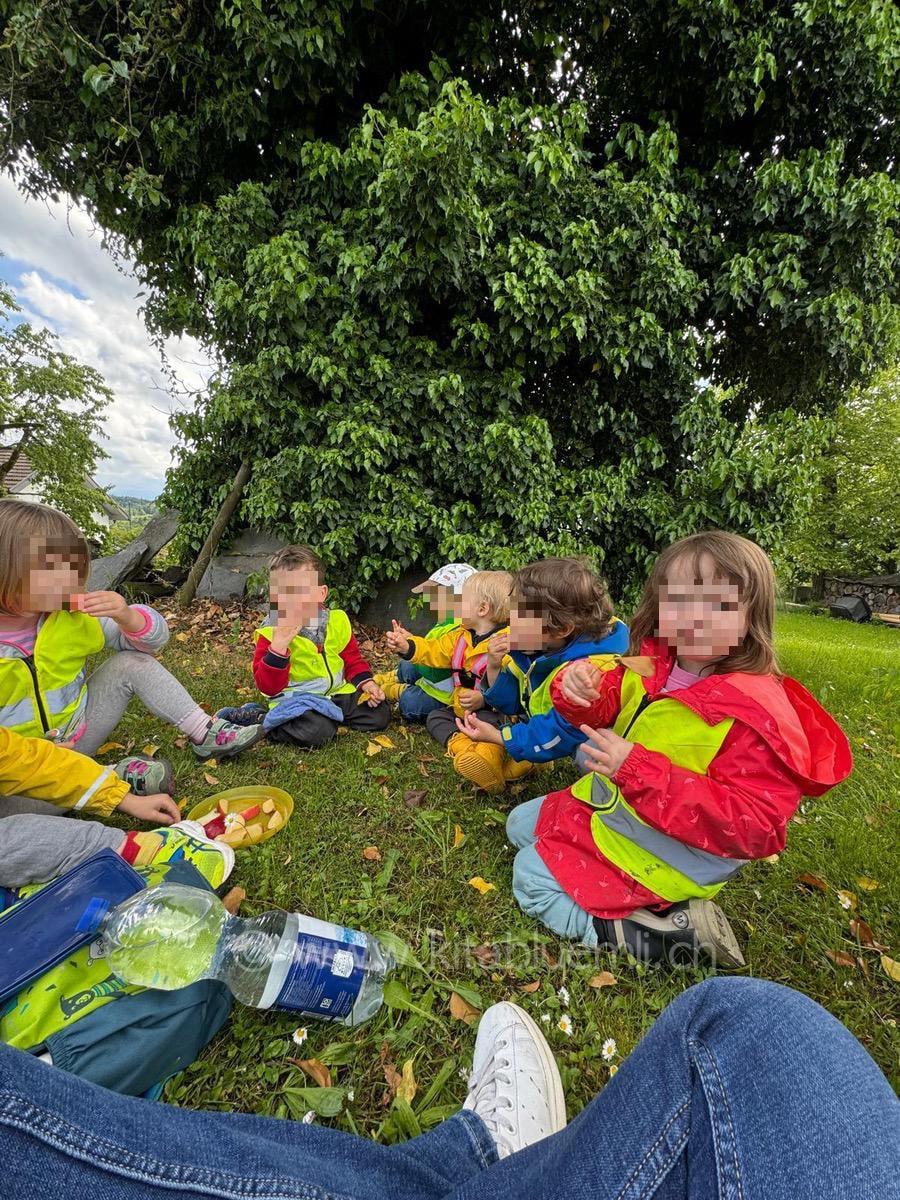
(699, 752)
(463, 650)
(307, 661)
(560, 612)
(419, 690)
(49, 627)
(41, 782)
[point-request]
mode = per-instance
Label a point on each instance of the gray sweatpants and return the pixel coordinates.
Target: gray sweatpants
(37, 842)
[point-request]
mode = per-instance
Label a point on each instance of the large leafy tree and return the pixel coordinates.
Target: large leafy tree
(51, 412)
(488, 281)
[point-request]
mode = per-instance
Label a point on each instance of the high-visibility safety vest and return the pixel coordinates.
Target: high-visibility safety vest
(47, 689)
(435, 681)
(321, 673)
(538, 702)
(667, 866)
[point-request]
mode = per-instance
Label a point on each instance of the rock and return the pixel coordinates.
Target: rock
(174, 575)
(226, 576)
(391, 602)
(107, 573)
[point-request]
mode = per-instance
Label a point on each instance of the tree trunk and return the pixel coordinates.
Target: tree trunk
(17, 452)
(189, 589)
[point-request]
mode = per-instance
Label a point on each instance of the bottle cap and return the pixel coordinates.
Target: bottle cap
(92, 917)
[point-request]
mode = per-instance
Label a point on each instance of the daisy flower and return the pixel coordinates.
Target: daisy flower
(609, 1049)
(564, 1024)
(563, 994)
(612, 1070)
(351, 1096)
(309, 1117)
(299, 1036)
(545, 1018)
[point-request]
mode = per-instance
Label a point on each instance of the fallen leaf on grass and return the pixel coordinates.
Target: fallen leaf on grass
(209, 778)
(423, 770)
(846, 900)
(771, 859)
(462, 1009)
(530, 988)
(182, 637)
(181, 743)
(233, 899)
(413, 797)
(867, 885)
(408, 1086)
(107, 746)
(841, 958)
(372, 748)
(150, 749)
(863, 931)
(372, 854)
(315, 1069)
(481, 885)
(458, 836)
(604, 979)
(548, 957)
(485, 954)
(812, 882)
(383, 740)
(891, 967)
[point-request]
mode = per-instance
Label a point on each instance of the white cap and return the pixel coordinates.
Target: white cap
(451, 575)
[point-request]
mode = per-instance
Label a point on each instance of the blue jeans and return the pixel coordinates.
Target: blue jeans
(414, 704)
(742, 1090)
(534, 886)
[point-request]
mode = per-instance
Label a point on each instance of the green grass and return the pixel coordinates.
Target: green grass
(346, 801)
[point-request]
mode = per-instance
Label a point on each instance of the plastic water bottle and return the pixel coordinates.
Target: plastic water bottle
(169, 936)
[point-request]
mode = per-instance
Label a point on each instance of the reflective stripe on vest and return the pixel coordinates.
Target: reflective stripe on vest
(312, 671)
(64, 640)
(664, 864)
(438, 689)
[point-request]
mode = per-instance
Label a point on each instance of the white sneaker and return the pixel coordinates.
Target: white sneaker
(515, 1086)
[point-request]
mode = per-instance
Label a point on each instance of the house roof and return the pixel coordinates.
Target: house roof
(18, 477)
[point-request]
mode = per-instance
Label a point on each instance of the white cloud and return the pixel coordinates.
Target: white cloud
(64, 280)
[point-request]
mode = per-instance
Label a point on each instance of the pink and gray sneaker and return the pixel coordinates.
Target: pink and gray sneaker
(224, 739)
(146, 776)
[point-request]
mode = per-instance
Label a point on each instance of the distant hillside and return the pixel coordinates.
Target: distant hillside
(137, 506)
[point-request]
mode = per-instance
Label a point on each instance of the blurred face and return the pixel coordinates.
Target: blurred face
(526, 628)
(471, 608)
(443, 602)
(52, 581)
(297, 595)
(702, 621)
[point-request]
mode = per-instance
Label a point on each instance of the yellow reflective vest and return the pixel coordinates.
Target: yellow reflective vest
(47, 689)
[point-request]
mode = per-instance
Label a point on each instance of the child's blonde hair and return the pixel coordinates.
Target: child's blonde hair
(29, 533)
(742, 563)
(492, 588)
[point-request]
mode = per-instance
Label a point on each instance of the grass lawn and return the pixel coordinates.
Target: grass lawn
(432, 843)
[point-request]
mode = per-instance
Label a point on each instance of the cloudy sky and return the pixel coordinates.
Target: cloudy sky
(64, 280)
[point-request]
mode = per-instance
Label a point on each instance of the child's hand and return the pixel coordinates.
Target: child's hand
(604, 751)
(498, 648)
(286, 629)
(158, 810)
(398, 638)
(101, 604)
(470, 699)
(478, 730)
(581, 683)
(374, 694)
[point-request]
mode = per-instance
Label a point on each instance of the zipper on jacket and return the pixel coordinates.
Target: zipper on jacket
(28, 660)
(645, 700)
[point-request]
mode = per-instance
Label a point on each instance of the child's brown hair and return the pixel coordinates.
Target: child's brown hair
(742, 563)
(567, 594)
(293, 558)
(29, 534)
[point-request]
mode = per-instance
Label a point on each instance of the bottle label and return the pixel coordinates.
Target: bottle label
(326, 972)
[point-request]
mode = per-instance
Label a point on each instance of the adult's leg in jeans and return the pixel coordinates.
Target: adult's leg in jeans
(35, 847)
(362, 717)
(59, 1135)
(742, 1090)
(122, 676)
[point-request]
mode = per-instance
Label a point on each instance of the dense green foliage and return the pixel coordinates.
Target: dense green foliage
(852, 525)
(51, 411)
(466, 264)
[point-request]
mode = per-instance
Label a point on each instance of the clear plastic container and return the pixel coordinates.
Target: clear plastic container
(170, 936)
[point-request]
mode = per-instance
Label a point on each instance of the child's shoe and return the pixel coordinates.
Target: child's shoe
(513, 770)
(247, 714)
(679, 936)
(146, 776)
(226, 740)
(479, 762)
(515, 1086)
(391, 686)
(184, 840)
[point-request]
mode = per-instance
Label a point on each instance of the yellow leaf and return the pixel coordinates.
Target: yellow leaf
(458, 836)
(209, 778)
(604, 979)
(150, 749)
(462, 1009)
(481, 885)
(867, 885)
(891, 967)
(182, 637)
(372, 748)
(372, 854)
(846, 900)
(383, 740)
(315, 1069)
(212, 762)
(408, 1086)
(771, 859)
(107, 746)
